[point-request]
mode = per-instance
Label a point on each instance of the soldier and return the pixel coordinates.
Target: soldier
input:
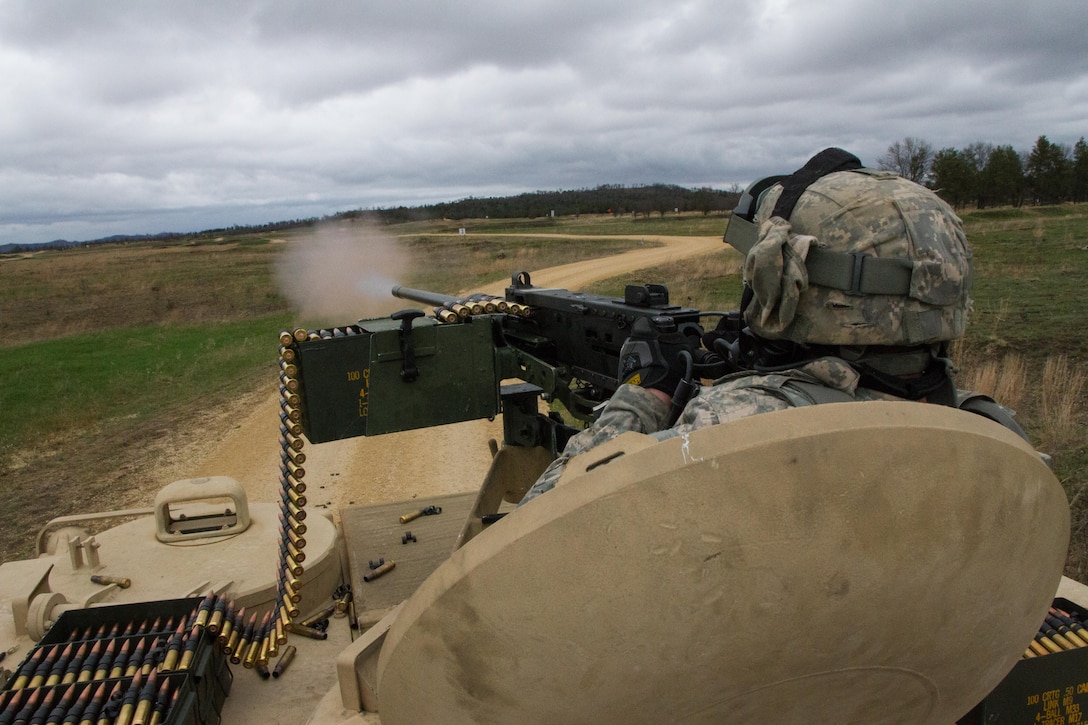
(855, 282)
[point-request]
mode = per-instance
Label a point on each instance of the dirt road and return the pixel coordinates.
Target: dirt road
(398, 466)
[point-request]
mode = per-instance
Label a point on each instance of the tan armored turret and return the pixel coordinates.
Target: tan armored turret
(837, 563)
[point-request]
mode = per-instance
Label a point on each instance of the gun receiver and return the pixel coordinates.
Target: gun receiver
(408, 371)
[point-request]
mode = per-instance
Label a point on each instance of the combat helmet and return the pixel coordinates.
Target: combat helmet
(838, 254)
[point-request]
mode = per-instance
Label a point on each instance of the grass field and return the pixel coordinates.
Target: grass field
(108, 350)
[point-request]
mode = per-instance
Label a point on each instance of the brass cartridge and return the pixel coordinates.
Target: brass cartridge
(284, 661)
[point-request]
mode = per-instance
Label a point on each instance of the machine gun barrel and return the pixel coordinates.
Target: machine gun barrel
(425, 297)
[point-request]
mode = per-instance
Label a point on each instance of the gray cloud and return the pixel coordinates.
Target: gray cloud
(121, 117)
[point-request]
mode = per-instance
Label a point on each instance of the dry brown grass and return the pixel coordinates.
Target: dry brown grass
(1052, 400)
(1004, 380)
(1061, 401)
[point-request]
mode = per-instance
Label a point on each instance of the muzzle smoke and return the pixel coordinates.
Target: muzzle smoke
(341, 273)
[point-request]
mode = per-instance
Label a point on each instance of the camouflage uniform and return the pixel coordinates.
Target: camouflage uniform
(737, 396)
(835, 255)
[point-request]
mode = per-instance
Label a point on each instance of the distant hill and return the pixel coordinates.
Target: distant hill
(55, 244)
(617, 199)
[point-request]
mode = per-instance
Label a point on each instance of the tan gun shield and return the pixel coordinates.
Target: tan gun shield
(856, 562)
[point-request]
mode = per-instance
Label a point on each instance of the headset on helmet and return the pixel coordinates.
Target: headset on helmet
(837, 254)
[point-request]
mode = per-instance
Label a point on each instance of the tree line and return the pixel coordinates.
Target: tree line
(615, 199)
(984, 175)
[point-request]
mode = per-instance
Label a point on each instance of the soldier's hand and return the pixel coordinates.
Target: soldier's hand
(651, 357)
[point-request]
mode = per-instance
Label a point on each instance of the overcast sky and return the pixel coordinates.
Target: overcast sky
(147, 116)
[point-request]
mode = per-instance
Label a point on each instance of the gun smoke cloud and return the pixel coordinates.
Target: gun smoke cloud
(342, 272)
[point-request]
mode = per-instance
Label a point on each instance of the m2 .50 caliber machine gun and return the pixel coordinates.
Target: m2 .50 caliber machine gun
(410, 370)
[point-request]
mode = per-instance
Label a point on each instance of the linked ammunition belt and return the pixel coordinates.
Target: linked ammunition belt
(459, 309)
(128, 672)
(292, 486)
(1060, 630)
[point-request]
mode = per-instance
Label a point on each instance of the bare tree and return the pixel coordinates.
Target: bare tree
(978, 154)
(910, 158)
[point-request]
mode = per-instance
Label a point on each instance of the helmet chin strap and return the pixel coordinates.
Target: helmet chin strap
(912, 374)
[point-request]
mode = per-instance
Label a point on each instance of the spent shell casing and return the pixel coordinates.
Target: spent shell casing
(122, 581)
(411, 516)
(262, 670)
(380, 571)
(318, 616)
(341, 604)
(308, 632)
(284, 660)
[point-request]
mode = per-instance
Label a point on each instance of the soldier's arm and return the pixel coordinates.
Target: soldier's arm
(631, 408)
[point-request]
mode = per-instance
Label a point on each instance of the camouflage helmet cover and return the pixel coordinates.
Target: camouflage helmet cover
(865, 258)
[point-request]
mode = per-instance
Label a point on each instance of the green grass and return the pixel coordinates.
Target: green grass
(1029, 287)
(56, 388)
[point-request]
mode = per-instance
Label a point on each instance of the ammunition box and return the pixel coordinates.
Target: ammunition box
(201, 688)
(1051, 688)
(360, 385)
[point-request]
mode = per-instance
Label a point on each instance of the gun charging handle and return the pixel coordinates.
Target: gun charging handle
(408, 372)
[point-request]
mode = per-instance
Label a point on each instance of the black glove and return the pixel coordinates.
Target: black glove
(651, 358)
